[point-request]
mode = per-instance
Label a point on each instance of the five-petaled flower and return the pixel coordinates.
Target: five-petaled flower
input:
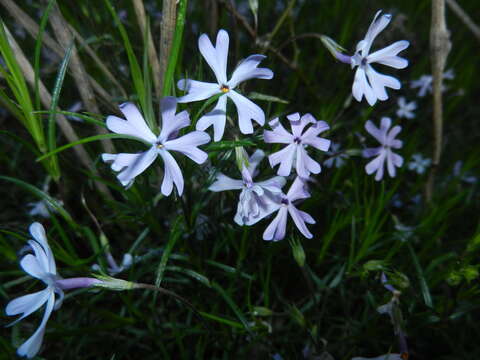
(132, 165)
(277, 228)
(297, 142)
(419, 164)
(383, 153)
(257, 199)
(406, 110)
(41, 265)
(367, 81)
(216, 57)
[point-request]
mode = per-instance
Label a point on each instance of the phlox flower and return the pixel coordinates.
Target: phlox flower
(367, 81)
(424, 83)
(257, 199)
(297, 142)
(216, 57)
(406, 110)
(383, 154)
(41, 265)
(130, 166)
(336, 156)
(277, 228)
(419, 164)
(40, 208)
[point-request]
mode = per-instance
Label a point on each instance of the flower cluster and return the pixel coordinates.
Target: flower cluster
(297, 160)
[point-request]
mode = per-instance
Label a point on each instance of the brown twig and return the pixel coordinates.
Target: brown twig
(46, 100)
(439, 48)
(474, 28)
(33, 29)
(152, 53)
(65, 39)
(167, 30)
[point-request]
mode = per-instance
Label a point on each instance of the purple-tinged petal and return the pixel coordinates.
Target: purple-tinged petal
(135, 125)
(376, 165)
(299, 221)
(377, 26)
(299, 124)
(377, 133)
(369, 152)
(362, 88)
(171, 123)
(217, 117)
(397, 160)
(130, 165)
(305, 164)
(247, 111)
(274, 185)
(216, 57)
(254, 160)
(223, 183)
(27, 304)
(316, 129)
(283, 157)
(31, 347)
(187, 145)
(278, 135)
(277, 228)
(392, 134)
(31, 266)
(390, 165)
(197, 90)
(298, 190)
(388, 56)
(38, 233)
(172, 174)
(248, 69)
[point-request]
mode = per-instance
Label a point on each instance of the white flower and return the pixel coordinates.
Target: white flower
(257, 199)
(424, 83)
(419, 164)
(368, 82)
(40, 265)
(216, 57)
(336, 156)
(383, 153)
(406, 110)
(130, 166)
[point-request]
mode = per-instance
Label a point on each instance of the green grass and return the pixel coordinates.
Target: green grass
(252, 299)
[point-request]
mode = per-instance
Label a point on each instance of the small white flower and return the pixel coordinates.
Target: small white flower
(419, 164)
(383, 154)
(424, 83)
(40, 265)
(406, 110)
(368, 82)
(257, 199)
(216, 57)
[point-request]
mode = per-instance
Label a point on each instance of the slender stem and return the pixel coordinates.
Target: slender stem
(463, 16)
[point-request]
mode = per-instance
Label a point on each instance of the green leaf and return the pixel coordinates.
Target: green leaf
(175, 233)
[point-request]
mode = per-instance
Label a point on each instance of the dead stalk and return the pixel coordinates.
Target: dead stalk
(167, 30)
(439, 48)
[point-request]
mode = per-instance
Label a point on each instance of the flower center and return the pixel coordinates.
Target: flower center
(285, 201)
(159, 145)
(224, 88)
(297, 140)
(364, 61)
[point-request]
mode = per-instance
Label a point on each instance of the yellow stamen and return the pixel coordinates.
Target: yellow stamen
(159, 146)
(224, 88)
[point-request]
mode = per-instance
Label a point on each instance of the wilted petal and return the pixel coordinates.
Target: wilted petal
(248, 69)
(216, 57)
(187, 145)
(217, 117)
(247, 111)
(299, 221)
(277, 228)
(224, 182)
(196, 90)
(283, 157)
(31, 347)
(171, 122)
(172, 174)
(135, 125)
(130, 165)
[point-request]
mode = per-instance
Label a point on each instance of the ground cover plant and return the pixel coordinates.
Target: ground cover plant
(239, 179)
